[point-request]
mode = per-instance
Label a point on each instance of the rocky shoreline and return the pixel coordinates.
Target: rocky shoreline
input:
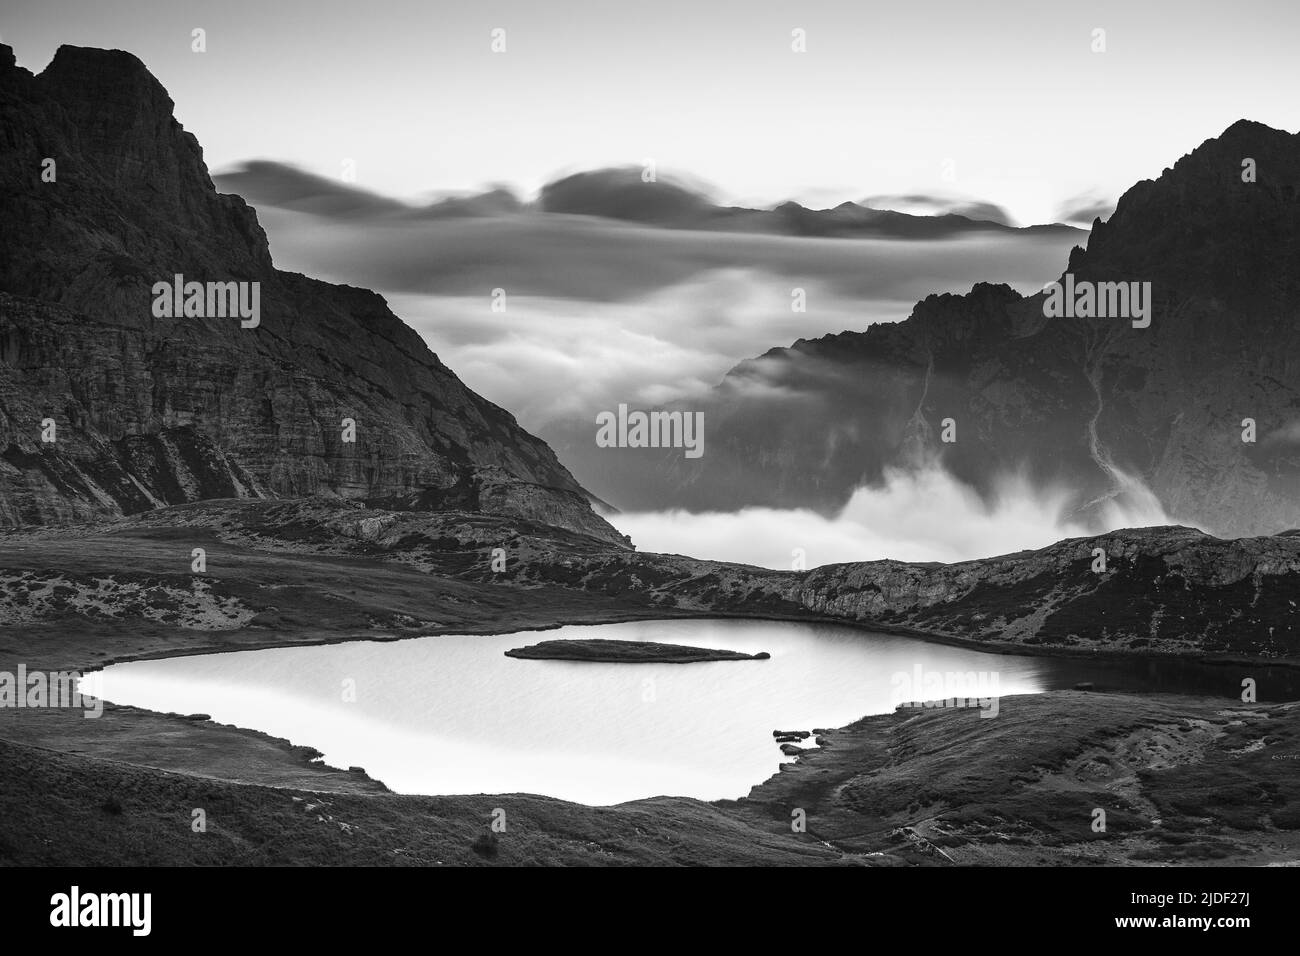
(1126, 752)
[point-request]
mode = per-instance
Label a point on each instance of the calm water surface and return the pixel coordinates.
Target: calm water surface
(452, 714)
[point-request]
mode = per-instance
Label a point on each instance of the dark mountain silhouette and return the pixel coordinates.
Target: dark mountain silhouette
(280, 184)
(1091, 404)
(154, 410)
(265, 182)
(937, 204)
(618, 194)
(856, 221)
(1084, 209)
(621, 193)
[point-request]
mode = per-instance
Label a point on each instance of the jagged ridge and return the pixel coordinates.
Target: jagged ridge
(132, 205)
(1166, 402)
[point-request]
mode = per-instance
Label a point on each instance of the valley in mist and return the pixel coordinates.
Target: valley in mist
(916, 515)
(387, 575)
(594, 311)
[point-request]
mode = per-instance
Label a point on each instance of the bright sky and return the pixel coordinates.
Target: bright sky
(884, 97)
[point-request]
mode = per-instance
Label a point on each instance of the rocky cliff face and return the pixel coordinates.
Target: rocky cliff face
(1090, 404)
(1161, 590)
(153, 410)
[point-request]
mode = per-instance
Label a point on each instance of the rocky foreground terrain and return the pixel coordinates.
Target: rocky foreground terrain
(185, 437)
(1181, 779)
(1164, 590)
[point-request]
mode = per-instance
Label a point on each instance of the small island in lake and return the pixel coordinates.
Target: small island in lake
(627, 652)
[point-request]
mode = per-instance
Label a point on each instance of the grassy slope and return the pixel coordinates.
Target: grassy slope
(64, 810)
(928, 787)
(1180, 779)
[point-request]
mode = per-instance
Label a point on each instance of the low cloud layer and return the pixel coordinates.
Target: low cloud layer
(915, 516)
(594, 312)
(934, 204)
(597, 312)
(591, 312)
(1081, 210)
(624, 193)
(556, 361)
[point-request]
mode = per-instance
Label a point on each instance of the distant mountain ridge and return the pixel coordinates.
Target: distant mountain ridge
(1089, 404)
(618, 194)
(151, 411)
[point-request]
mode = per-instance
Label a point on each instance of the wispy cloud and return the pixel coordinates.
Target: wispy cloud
(921, 515)
(1082, 209)
(595, 311)
(939, 204)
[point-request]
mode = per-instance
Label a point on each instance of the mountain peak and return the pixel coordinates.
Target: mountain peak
(155, 409)
(69, 58)
(111, 81)
(1248, 127)
(1140, 422)
(1211, 221)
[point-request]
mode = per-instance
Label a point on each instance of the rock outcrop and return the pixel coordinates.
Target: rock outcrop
(627, 652)
(1093, 405)
(1159, 590)
(104, 194)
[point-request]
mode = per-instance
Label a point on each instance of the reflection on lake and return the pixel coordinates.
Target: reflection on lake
(452, 714)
